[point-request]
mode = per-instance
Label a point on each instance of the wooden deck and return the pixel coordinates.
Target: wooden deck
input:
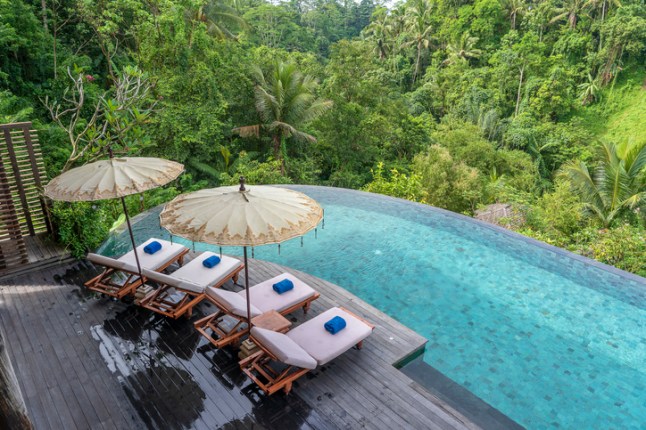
(42, 252)
(90, 362)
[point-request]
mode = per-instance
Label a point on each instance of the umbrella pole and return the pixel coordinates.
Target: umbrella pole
(132, 237)
(246, 287)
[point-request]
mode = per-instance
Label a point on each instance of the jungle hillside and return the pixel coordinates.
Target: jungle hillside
(538, 107)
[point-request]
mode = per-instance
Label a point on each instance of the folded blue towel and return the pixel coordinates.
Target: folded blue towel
(211, 262)
(283, 286)
(335, 325)
(152, 247)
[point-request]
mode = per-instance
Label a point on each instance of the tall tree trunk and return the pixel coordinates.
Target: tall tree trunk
(43, 7)
(13, 413)
(572, 19)
(55, 62)
(277, 152)
(520, 86)
(419, 55)
(513, 20)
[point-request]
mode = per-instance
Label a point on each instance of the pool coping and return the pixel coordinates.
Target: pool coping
(555, 249)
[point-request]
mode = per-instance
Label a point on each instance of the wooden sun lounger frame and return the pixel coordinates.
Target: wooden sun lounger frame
(102, 282)
(233, 335)
(258, 367)
(156, 300)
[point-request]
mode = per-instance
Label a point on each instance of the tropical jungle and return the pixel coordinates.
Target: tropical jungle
(535, 106)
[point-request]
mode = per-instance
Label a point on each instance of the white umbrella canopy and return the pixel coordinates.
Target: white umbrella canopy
(237, 216)
(112, 178)
(226, 216)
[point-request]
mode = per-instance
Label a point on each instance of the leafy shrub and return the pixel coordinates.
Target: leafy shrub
(623, 247)
(448, 183)
(398, 185)
(80, 226)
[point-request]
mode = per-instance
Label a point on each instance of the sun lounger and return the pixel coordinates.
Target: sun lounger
(226, 325)
(180, 291)
(301, 349)
(121, 276)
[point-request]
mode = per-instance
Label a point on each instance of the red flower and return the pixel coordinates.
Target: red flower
(89, 78)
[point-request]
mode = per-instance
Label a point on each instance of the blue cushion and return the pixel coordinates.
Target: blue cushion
(152, 247)
(211, 262)
(335, 325)
(283, 286)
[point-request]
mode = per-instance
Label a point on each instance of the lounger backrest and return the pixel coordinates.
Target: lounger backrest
(171, 281)
(285, 349)
(231, 302)
(104, 261)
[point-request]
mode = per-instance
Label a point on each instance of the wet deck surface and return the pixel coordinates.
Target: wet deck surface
(89, 362)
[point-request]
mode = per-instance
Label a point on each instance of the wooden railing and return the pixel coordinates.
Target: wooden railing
(23, 211)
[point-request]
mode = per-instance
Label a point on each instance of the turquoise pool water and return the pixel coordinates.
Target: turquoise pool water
(549, 340)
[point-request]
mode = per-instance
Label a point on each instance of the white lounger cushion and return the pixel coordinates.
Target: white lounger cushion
(195, 272)
(170, 280)
(232, 302)
(266, 299)
(286, 350)
(155, 261)
(321, 344)
(104, 261)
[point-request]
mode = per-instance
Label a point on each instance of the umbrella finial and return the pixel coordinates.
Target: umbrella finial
(110, 153)
(242, 188)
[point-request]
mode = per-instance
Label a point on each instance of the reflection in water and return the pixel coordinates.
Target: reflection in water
(170, 386)
(178, 337)
(128, 324)
(265, 412)
(165, 397)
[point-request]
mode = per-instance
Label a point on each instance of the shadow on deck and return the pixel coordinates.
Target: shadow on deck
(89, 362)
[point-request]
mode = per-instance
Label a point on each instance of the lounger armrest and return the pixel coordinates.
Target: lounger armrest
(283, 348)
(171, 281)
(231, 302)
(104, 261)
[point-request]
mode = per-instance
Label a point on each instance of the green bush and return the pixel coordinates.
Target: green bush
(623, 247)
(398, 185)
(80, 226)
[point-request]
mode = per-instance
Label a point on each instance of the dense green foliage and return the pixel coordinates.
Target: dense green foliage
(457, 104)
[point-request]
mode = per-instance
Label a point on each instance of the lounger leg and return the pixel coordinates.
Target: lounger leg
(306, 307)
(287, 388)
(360, 345)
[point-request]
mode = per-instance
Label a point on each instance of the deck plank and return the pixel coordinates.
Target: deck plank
(89, 362)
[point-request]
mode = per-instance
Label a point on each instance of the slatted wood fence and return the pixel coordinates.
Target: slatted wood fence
(23, 211)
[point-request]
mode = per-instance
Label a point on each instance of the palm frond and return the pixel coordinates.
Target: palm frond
(248, 130)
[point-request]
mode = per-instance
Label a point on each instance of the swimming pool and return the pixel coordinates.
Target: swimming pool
(549, 339)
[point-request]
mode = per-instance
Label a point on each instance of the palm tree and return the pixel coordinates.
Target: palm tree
(218, 18)
(514, 8)
(418, 17)
(380, 31)
(589, 90)
(463, 50)
(571, 10)
(285, 101)
(618, 184)
(603, 6)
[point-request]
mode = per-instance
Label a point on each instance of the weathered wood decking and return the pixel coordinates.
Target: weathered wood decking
(90, 362)
(42, 252)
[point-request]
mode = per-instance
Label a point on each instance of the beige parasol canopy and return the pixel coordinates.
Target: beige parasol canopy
(237, 216)
(227, 216)
(112, 178)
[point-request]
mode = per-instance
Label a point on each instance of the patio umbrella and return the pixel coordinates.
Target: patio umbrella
(237, 216)
(116, 177)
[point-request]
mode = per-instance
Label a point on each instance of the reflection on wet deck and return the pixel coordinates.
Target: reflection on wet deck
(89, 362)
